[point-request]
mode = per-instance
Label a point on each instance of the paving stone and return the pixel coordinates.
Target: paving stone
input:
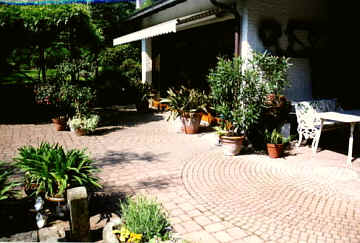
(299, 197)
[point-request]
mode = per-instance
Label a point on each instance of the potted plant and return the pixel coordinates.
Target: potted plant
(83, 125)
(49, 94)
(239, 100)
(188, 104)
(142, 93)
(53, 170)
(275, 143)
(142, 220)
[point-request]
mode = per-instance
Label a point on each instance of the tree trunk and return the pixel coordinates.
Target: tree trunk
(42, 63)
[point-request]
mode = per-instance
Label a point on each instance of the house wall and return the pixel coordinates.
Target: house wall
(313, 11)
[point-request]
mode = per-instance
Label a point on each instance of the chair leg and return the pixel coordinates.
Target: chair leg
(300, 140)
(313, 145)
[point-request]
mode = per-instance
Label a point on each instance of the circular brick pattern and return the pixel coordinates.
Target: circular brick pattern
(276, 199)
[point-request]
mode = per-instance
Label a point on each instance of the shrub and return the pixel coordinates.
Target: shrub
(184, 101)
(145, 216)
(88, 123)
(7, 188)
(275, 137)
(238, 95)
(54, 170)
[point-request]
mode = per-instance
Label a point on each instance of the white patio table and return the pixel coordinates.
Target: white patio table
(350, 116)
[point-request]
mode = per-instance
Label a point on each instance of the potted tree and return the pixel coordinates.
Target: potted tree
(275, 143)
(239, 100)
(188, 104)
(49, 94)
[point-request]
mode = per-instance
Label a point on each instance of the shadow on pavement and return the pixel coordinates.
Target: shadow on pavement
(126, 157)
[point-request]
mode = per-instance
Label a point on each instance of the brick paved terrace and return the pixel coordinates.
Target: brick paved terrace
(210, 197)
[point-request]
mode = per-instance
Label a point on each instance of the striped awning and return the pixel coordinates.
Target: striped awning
(160, 29)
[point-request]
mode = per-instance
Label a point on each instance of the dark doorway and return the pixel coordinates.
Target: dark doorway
(184, 58)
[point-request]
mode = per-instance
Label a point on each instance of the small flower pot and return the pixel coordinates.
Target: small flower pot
(59, 123)
(275, 150)
(81, 131)
(232, 145)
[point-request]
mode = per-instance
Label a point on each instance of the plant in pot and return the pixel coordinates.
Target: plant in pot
(49, 94)
(54, 170)
(83, 125)
(273, 71)
(188, 104)
(142, 220)
(239, 100)
(275, 142)
(142, 93)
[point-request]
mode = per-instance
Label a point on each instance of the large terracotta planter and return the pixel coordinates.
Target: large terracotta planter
(275, 150)
(191, 122)
(59, 123)
(232, 145)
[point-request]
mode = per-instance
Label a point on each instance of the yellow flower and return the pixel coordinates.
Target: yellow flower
(135, 238)
(125, 233)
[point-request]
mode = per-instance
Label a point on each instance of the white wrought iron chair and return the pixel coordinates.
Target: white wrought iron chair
(308, 120)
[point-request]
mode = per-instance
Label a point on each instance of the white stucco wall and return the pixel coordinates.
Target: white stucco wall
(282, 11)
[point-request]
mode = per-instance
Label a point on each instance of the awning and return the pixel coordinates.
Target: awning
(175, 25)
(160, 29)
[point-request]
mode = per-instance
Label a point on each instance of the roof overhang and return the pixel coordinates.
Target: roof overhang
(175, 25)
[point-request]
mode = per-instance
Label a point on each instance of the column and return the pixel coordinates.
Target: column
(146, 61)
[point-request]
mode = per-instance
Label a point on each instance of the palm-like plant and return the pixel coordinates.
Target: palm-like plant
(7, 188)
(185, 102)
(54, 170)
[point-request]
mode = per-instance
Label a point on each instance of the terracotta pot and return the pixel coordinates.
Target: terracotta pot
(191, 122)
(54, 199)
(59, 123)
(80, 131)
(232, 145)
(275, 150)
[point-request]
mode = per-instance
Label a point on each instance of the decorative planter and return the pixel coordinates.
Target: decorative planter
(59, 123)
(275, 150)
(80, 132)
(232, 145)
(108, 235)
(59, 204)
(207, 117)
(191, 122)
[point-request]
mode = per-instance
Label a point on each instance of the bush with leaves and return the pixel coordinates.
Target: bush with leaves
(7, 187)
(145, 217)
(238, 95)
(186, 101)
(88, 123)
(54, 170)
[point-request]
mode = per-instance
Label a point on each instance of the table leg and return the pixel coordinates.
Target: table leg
(317, 137)
(350, 149)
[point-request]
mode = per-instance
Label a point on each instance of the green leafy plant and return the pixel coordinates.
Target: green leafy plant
(7, 187)
(273, 71)
(185, 101)
(145, 216)
(88, 123)
(238, 95)
(54, 170)
(275, 137)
